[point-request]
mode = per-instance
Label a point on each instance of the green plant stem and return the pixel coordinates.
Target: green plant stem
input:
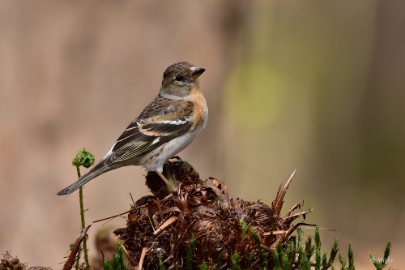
(77, 265)
(83, 222)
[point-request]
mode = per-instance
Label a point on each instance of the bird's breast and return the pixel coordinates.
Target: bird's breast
(200, 114)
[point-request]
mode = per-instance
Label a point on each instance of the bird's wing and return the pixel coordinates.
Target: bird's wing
(161, 121)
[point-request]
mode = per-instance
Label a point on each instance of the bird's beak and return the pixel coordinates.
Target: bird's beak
(196, 72)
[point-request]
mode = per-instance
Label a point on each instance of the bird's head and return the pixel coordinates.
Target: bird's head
(179, 79)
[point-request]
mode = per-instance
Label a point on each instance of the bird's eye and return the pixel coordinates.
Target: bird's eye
(180, 78)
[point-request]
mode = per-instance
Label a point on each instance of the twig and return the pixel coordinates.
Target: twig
(132, 198)
(274, 232)
(294, 216)
(143, 254)
(114, 216)
(71, 259)
(278, 202)
(165, 224)
(287, 234)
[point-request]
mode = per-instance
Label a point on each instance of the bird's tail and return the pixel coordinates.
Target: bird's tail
(96, 171)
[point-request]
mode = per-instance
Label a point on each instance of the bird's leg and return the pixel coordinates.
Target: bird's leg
(169, 185)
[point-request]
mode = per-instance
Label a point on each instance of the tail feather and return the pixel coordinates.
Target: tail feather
(96, 171)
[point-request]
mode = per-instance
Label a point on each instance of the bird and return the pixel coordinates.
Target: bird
(165, 127)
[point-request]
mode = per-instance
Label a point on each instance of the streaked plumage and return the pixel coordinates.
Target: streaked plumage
(164, 128)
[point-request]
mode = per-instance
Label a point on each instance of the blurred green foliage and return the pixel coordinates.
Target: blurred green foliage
(254, 95)
(319, 87)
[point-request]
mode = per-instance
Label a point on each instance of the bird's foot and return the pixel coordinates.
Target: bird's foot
(170, 186)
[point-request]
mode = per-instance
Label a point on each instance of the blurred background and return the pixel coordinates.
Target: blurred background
(316, 86)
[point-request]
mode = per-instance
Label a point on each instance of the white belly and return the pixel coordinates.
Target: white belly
(155, 160)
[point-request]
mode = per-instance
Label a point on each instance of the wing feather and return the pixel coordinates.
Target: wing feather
(161, 121)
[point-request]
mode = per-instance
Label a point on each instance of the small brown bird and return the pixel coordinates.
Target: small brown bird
(164, 128)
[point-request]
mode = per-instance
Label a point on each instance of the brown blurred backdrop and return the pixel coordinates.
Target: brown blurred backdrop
(312, 85)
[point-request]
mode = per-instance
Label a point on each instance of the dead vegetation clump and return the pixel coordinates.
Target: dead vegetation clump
(11, 263)
(198, 224)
